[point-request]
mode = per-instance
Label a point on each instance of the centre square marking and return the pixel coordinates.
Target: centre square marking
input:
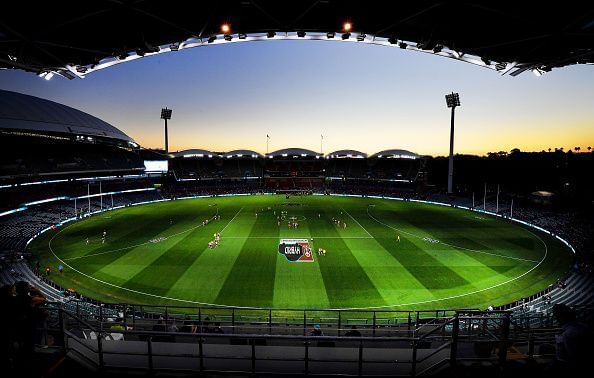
(296, 250)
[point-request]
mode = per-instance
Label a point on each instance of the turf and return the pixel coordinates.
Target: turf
(446, 257)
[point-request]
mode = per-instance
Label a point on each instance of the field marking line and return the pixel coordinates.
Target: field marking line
(451, 245)
(356, 221)
(220, 232)
(141, 244)
(261, 308)
(309, 237)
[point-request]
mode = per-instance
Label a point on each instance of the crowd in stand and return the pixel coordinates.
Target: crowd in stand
(23, 317)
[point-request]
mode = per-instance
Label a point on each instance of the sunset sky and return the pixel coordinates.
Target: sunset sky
(363, 97)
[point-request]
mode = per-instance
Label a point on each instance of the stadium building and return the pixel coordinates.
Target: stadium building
(117, 259)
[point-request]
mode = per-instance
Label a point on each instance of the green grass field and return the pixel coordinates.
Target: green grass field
(446, 257)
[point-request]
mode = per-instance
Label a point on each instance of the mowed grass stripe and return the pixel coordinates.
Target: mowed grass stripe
(347, 284)
(203, 280)
(125, 232)
(433, 274)
(299, 282)
(473, 266)
(251, 280)
(158, 277)
(134, 260)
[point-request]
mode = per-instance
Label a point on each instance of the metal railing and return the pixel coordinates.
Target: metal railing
(418, 350)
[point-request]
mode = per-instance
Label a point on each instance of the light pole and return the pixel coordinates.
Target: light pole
(452, 100)
(166, 114)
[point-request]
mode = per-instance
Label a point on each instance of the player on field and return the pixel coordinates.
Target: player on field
(398, 238)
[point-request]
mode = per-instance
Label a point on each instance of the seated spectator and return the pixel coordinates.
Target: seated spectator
(217, 328)
(572, 352)
(353, 332)
(188, 327)
(316, 331)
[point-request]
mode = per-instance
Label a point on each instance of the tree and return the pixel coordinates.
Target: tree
(589, 148)
(549, 149)
(577, 149)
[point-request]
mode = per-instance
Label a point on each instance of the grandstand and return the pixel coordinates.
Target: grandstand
(44, 140)
(420, 282)
(71, 176)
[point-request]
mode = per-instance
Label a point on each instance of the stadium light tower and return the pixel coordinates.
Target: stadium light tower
(166, 114)
(452, 100)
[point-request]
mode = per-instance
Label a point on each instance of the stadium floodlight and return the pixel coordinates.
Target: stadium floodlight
(225, 28)
(166, 115)
(452, 100)
(301, 34)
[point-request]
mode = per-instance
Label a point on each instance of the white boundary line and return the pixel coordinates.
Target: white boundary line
(261, 308)
(450, 245)
(309, 237)
(220, 232)
(138, 245)
(347, 213)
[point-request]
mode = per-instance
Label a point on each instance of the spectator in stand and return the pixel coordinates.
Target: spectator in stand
(353, 332)
(572, 344)
(6, 336)
(217, 328)
(28, 316)
(316, 331)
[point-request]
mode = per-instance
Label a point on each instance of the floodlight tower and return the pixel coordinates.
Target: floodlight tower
(452, 100)
(166, 114)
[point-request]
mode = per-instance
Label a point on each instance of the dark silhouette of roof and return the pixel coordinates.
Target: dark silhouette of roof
(77, 37)
(294, 152)
(23, 112)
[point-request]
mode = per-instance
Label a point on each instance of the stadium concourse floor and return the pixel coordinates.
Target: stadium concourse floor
(379, 254)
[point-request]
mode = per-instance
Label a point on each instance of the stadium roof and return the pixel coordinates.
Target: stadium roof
(346, 154)
(78, 37)
(395, 154)
(23, 112)
(241, 153)
(194, 152)
(294, 152)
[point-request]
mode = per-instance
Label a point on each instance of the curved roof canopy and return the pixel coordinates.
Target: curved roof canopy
(194, 153)
(23, 112)
(242, 153)
(346, 154)
(301, 152)
(78, 37)
(395, 154)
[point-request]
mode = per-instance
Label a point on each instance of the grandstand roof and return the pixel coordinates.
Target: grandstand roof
(395, 154)
(242, 153)
(293, 152)
(79, 37)
(23, 112)
(346, 154)
(194, 152)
